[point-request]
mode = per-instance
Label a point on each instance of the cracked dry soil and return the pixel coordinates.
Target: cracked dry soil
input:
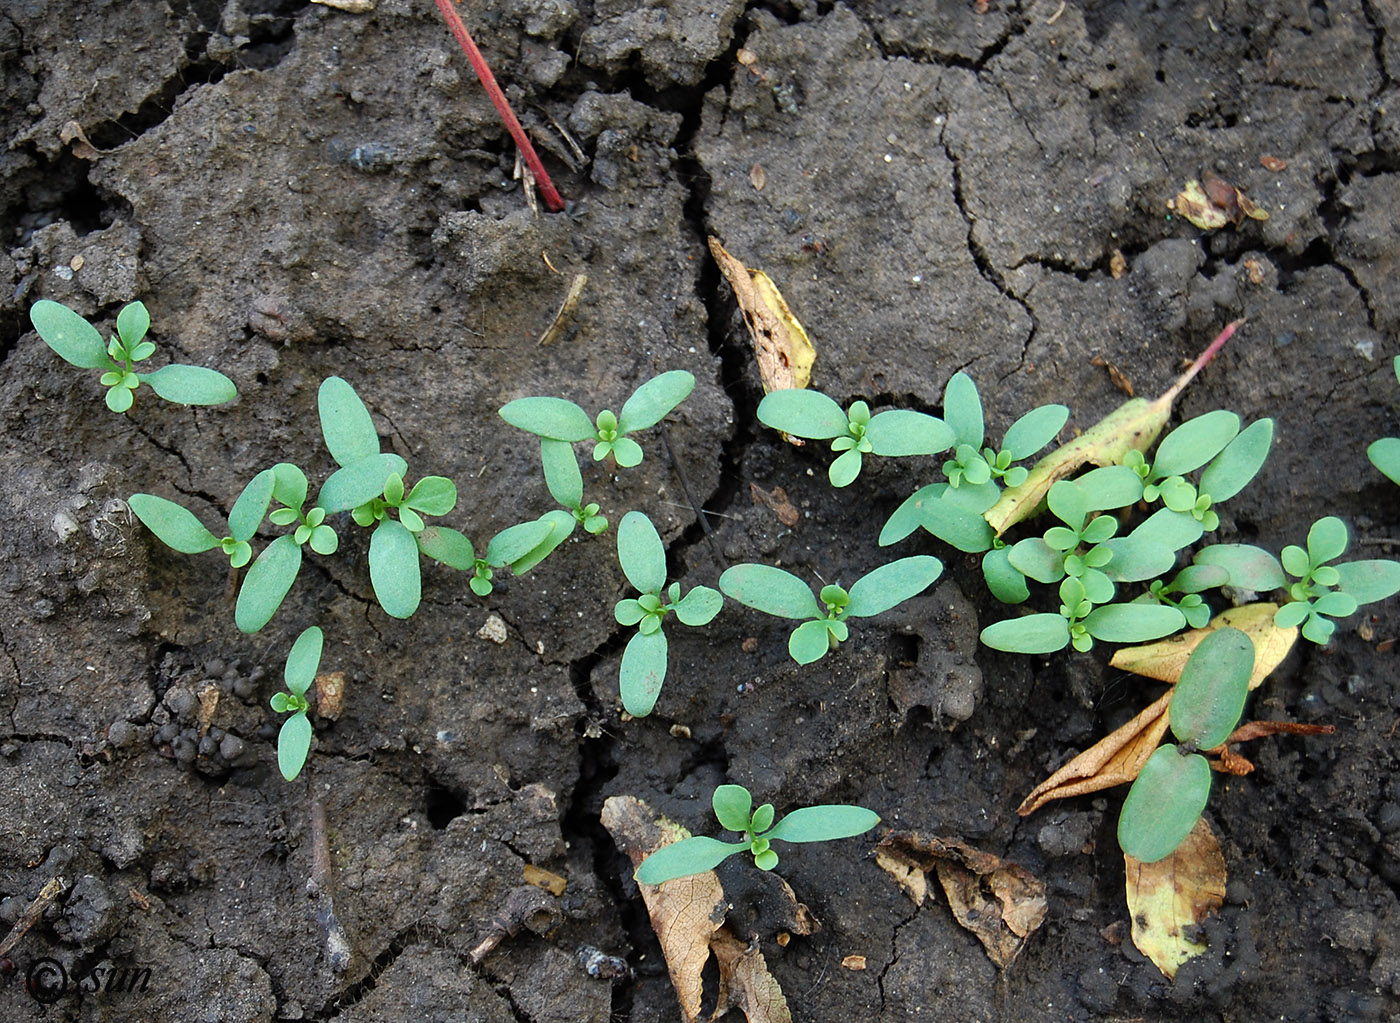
(296, 190)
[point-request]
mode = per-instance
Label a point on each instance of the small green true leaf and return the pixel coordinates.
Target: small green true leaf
(733, 806)
(810, 641)
(699, 606)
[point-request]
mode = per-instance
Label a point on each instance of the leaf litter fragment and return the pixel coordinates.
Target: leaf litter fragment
(1116, 758)
(1169, 899)
(1134, 425)
(781, 347)
(1212, 202)
(688, 917)
(1001, 903)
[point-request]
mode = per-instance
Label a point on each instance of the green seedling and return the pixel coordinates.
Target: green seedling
(733, 807)
(776, 592)
(1324, 591)
(294, 739)
(1235, 458)
(78, 343)
(1172, 788)
(561, 420)
(1184, 592)
(1385, 453)
(370, 485)
(1079, 623)
(179, 529)
(643, 561)
(953, 510)
(565, 483)
(270, 578)
(894, 433)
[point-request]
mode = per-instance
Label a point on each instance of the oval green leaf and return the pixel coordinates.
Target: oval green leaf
(900, 433)
(561, 472)
(1327, 539)
(699, 606)
(955, 516)
(393, 569)
(266, 584)
(962, 410)
(1369, 581)
(447, 546)
(823, 824)
(1169, 529)
(173, 524)
(74, 339)
(345, 423)
(892, 584)
(810, 641)
(1133, 623)
(843, 471)
(770, 590)
(359, 482)
(1110, 487)
(803, 413)
(554, 418)
(132, 323)
(250, 508)
(1249, 567)
(293, 743)
(514, 542)
(1385, 456)
(1034, 430)
(303, 660)
(1164, 804)
(1069, 503)
(561, 527)
(651, 402)
(1031, 634)
(1005, 583)
(733, 806)
(1209, 697)
(1239, 463)
(640, 552)
(643, 672)
(686, 857)
(190, 385)
(907, 517)
(1194, 443)
(433, 495)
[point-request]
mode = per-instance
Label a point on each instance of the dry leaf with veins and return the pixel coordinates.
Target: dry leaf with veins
(1169, 899)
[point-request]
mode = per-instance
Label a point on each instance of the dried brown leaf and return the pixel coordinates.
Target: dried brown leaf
(1117, 265)
(1114, 760)
(1169, 899)
(781, 347)
(1272, 163)
(566, 309)
(777, 500)
(745, 983)
(1001, 903)
(758, 177)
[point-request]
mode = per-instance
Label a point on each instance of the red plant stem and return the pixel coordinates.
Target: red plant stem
(488, 81)
(1201, 362)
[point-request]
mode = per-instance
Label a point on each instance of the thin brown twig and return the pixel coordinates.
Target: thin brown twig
(498, 98)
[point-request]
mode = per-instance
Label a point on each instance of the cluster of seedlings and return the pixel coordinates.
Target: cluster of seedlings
(1120, 507)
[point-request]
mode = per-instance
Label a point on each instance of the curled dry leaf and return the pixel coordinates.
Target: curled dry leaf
(1169, 899)
(784, 352)
(1001, 903)
(1118, 378)
(1115, 759)
(1234, 763)
(1134, 425)
(688, 917)
(1165, 659)
(1213, 202)
(777, 500)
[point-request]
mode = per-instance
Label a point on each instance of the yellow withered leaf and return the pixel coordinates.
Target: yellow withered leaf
(1169, 899)
(1134, 425)
(1193, 204)
(1164, 659)
(782, 349)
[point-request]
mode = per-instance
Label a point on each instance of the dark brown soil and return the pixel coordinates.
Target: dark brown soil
(296, 191)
